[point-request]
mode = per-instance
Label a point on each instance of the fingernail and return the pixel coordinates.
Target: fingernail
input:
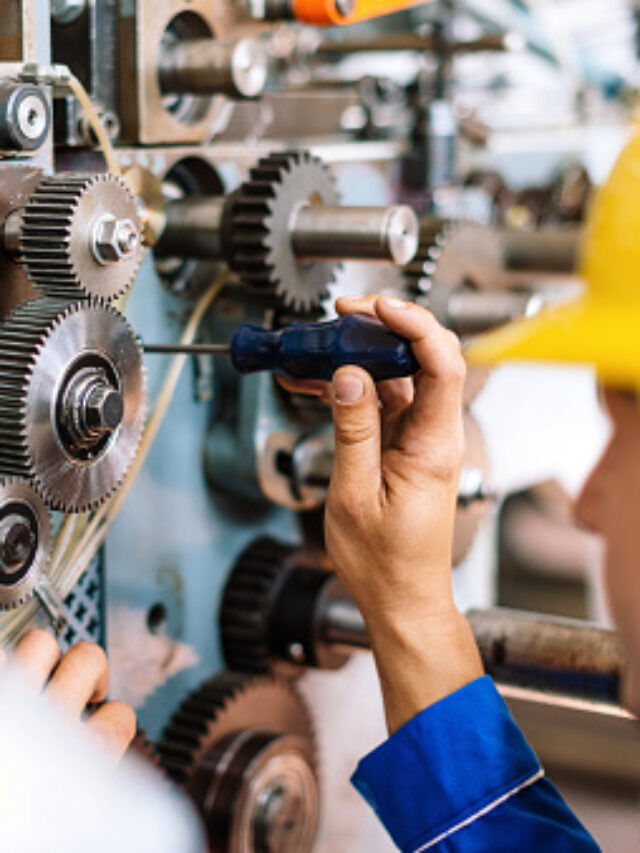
(347, 388)
(395, 304)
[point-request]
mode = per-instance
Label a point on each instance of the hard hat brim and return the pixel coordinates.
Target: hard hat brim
(583, 332)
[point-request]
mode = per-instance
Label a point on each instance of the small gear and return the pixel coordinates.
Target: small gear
(243, 748)
(25, 542)
(80, 236)
(253, 585)
(72, 401)
(261, 248)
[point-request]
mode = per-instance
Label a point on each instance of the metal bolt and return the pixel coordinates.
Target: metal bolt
(114, 239)
(67, 11)
(104, 409)
(17, 542)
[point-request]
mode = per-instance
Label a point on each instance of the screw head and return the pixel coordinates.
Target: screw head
(17, 542)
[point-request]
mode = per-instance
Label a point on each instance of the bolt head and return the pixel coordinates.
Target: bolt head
(105, 409)
(114, 239)
(17, 542)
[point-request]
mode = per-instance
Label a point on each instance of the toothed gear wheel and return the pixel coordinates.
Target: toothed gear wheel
(243, 747)
(253, 585)
(452, 256)
(25, 542)
(72, 399)
(261, 245)
(80, 236)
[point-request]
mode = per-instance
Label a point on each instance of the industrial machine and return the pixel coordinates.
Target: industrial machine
(172, 170)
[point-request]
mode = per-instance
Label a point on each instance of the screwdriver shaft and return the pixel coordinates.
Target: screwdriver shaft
(188, 349)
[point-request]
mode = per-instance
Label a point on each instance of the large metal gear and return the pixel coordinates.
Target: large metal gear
(25, 542)
(80, 236)
(243, 748)
(259, 225)
(71, 399)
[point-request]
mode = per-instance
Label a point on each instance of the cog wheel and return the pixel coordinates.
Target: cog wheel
(80, 236)
(261, 247)
(72, 402)
(450, 257)
(253, 585)
(25, 542)
(243, 747)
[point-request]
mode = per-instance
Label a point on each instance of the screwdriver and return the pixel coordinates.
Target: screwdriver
(312, 350)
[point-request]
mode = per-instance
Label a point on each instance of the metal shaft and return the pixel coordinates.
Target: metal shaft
(414, 41)
(470, 311)
(357, 233)
(188, 349)
(193, 228)
(210, 67)
(529, 649)
(542, 250)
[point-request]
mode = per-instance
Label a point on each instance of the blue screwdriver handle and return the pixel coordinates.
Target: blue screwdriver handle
(317, 350)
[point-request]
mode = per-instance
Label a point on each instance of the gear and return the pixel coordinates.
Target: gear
(451, 257)
(243, 748)
(253, 585)
(25, 542)
(72, 403)
(260, 243)
(80, 236)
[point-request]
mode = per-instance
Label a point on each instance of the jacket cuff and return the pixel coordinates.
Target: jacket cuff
(456, 760)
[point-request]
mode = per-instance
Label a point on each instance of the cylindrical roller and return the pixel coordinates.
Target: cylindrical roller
(542, 250)
(359, 233)
(473, 311)
(211, 67)
(193, 228)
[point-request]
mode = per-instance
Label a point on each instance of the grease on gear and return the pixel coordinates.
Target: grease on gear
(80, 236)
(243, 748)
(258, 227)
(71, 399)
(25, 542)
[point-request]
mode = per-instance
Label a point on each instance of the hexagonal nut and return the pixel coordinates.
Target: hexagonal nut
(114, 239)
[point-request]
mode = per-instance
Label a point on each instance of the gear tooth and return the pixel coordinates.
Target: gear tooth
(49, 219)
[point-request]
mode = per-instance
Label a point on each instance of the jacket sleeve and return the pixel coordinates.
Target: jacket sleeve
(460, 777)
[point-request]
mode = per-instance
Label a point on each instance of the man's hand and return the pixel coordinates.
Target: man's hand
(391, 508)
(75, 680)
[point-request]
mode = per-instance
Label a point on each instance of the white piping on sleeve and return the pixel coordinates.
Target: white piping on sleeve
(483, 811)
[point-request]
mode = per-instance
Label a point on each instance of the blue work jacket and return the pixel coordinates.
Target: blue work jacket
(460, 777)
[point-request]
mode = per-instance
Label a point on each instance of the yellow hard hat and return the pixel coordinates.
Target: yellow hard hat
(601, 327)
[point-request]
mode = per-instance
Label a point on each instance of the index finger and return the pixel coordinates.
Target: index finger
(437, 403)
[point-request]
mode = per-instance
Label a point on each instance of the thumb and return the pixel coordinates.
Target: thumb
(356, 419)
